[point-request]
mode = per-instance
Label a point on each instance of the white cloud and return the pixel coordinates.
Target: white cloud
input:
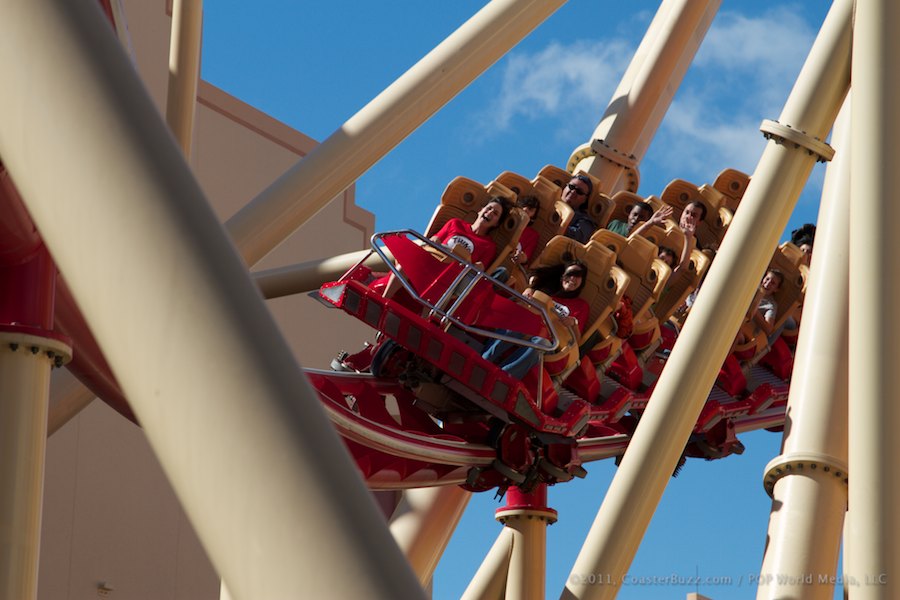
(761, 54)
(774, 39)
(743, 73)
(758, 55)
(556, 82)
(703, 139)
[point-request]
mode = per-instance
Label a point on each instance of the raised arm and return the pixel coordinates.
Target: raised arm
(690, 242)
(658, 218)
(764, 318)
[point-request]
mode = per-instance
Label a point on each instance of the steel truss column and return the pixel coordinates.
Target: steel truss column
(383, 123)
(639, 103)
(184, 70)
(28, 351)
(267, 483)
(515, 567)
(489, 582)
(310, 275)
(707, 336)
(873, 542)
(808, 482)
(527, 515)
(68, 397)
(423, 523)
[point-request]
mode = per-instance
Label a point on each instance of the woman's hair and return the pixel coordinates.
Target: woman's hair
(590, 188)
(574, 265)
(645, 208)
(549, 279)
(699, 205)
(806, 231)
(529, 202)
(586, 180)
(803, 239)
(670, 252)
(777, 273)
(504, 208)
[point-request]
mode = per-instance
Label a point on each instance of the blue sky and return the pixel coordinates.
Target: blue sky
(313, 65)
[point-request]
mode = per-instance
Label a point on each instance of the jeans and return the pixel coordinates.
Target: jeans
(520, 360)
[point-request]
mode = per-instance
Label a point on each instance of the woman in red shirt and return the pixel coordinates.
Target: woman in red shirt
(572, 310)
(473, 238)
(528, 241)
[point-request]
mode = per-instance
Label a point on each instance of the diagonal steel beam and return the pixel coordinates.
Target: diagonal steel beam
(383, 123)
(265, 480)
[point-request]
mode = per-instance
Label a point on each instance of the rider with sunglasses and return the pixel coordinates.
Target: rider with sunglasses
(563, 283)
(576, 194)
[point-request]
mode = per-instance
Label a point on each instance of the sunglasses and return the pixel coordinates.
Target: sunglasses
(576, 189)
(570, 274)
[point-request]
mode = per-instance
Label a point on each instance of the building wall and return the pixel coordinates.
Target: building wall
(237, 153)
(109, 513)
(110, 516)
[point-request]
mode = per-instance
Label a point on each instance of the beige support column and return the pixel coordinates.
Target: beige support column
(640, 102)
(310, 275)
(266, 482)
(68, 397)
(489, 582)
(528, 516)
(527, 564)
(24, 389)
(184, 70)
(874, 298)
(423, 523)
(847, 552)
(808, 482)
(383, 123)
(707, 336)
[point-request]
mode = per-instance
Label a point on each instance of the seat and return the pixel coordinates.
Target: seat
(649, 274)
(711, 233)
(603, 289)
(555, 174)
(655, 202)
(669, 235)
(793, 288)
(732, 183)
(792, 253)
(679, 193)
(788, 297)
(552, 219)
(622, 202)
(681, 283)
(599, 205)
(464, 197)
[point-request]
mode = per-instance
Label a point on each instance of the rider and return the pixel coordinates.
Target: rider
(571, 310)
(474, 238)
(576, 194)
(528, 241)
(640, 211)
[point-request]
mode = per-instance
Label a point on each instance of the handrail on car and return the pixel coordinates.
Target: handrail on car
(469, 276)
